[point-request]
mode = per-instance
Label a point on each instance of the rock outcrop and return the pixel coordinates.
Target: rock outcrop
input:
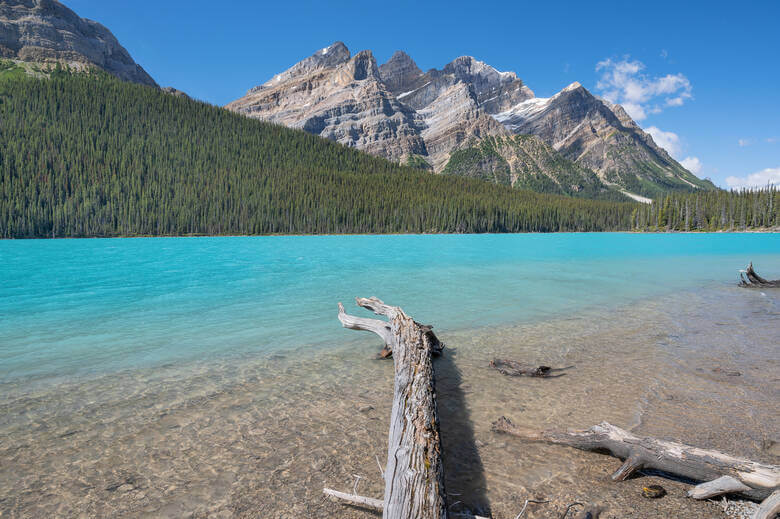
(469, 119)
(175, 92)
(45, 31)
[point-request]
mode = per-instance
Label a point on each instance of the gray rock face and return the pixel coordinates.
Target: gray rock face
(493, 90)
(341, 98)
(47, 31)
(467, 119)
(452, 120)
(400, 73)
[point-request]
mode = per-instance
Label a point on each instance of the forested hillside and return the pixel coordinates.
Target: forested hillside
(89, 155)
(711, 211)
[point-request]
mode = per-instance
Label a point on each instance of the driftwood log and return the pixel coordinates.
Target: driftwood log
(414, 475)
(513, 368)
(749, 278)
(720, 473)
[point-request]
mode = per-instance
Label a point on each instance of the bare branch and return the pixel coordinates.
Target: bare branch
(378, 307)
(381, 328)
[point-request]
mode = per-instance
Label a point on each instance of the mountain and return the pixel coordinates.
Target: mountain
(601, 136)
(45, 31)
(465, 119)
(342, 98)
(85, 154)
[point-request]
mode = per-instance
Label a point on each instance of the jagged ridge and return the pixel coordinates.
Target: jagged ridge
(425, 118)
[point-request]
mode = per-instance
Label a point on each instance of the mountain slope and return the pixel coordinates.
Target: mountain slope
(90, 155)
(602, 137)
(45, 31)
(432, 117)
(527, 162)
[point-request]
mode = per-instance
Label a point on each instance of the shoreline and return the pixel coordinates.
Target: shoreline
(773, 230)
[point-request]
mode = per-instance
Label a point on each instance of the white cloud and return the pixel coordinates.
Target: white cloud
(758, 179)
(692, 164)
(669, 141)
(744, 142)
(772, 140)
(624, 83)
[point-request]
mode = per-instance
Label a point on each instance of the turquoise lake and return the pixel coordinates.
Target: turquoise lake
(75, 307)
(210, 377)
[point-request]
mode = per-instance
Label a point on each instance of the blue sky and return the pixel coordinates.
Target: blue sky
(703, 77)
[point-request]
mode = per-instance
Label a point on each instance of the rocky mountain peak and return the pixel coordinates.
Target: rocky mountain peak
(494, 90)
(467, 68)
(45, 31)
(327, 57)
(362, 66)
(400, 73)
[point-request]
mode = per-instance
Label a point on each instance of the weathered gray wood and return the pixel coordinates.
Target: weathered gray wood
(666, 456)
(367, 502)
(381, 328)
(717, 487)
(770, 507)
(749, 278)
(376, 504)
(414, 475)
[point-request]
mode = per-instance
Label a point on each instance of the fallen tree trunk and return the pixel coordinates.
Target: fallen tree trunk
(414, 476)
(749, 278)
(721, 473)
(513, 368)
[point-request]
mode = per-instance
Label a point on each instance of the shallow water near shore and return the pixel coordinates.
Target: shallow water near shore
(209, 376)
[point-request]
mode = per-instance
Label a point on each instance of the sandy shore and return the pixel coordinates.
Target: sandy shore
(261, 437)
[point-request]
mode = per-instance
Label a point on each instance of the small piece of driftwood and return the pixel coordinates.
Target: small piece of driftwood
(366, 502)
(513, 368)
(414, 475)
(376, 504)
(749, 278)
(745, 477)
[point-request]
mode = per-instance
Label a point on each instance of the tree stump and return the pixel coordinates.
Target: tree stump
(748, 278)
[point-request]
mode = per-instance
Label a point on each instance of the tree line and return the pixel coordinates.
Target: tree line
(720, 210)
(89, 155)
(85, 154)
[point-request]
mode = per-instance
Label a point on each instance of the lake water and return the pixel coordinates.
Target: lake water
(210, 377)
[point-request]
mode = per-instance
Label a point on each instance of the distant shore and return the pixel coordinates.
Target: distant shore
(761, 230)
